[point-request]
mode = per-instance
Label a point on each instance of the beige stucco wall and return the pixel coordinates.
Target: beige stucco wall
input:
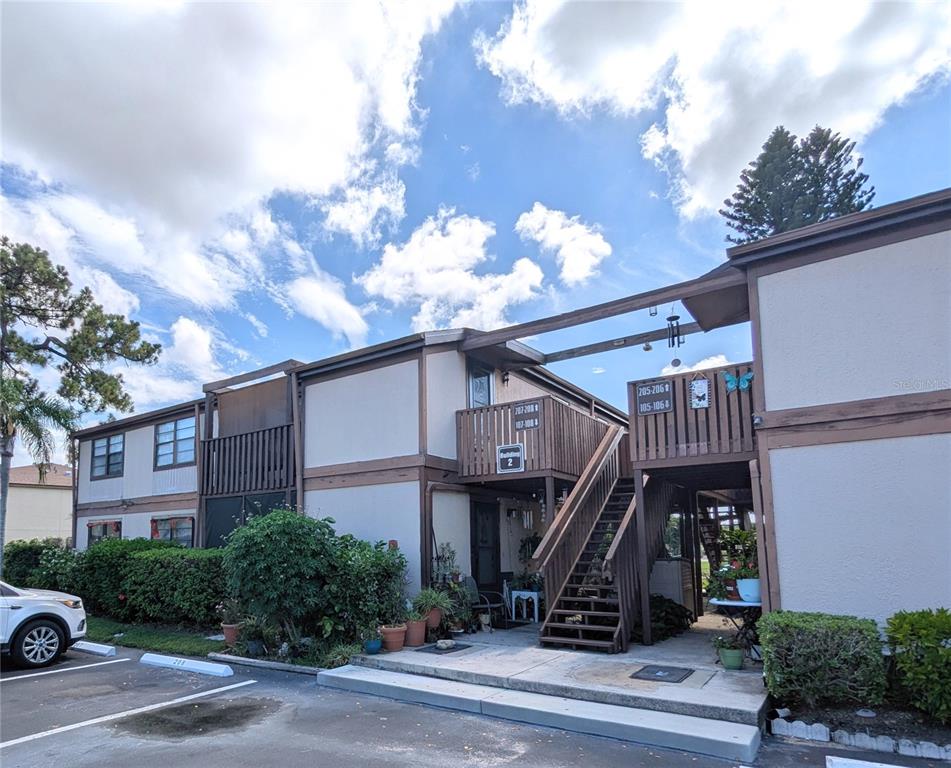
(375, 513)
(517, 388)
(364, 416)
(512, 531)
(446, 393)
(451, 522)
(37, 512)
(138, 479)
(864, 528)
(870, 324)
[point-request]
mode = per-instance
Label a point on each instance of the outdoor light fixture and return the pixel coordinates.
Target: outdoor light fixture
(653, 311)
(647, 346)
(675, 363)
(505, 378)
(674, 339)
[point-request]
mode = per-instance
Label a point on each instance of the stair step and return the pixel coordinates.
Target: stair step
(607, 644)
(582, 627)
(599, 587)
(732, 741)
(570, 612)
(571, 599)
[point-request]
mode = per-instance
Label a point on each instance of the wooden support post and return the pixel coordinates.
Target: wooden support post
(696, 552)
(643, 567)
(298, 439)
(550, 498)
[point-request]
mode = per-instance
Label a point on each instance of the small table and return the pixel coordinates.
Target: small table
(748, 612)
(525, 594)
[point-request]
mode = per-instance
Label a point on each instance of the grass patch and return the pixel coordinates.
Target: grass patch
(151, 637)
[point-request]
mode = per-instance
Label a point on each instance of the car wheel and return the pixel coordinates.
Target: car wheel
(38, 644)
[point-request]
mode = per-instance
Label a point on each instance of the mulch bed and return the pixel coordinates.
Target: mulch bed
(897, 722)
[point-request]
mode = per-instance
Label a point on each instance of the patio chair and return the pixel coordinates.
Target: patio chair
(486, 602)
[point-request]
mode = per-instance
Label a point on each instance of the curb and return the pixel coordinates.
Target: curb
(277, 666)
(821, 733)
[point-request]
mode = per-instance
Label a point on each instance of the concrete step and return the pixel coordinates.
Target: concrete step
(731, 741)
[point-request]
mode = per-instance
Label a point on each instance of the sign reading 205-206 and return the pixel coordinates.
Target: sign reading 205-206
(510, 458)
(654, 397)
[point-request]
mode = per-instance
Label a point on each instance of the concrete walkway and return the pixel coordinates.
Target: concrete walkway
(511, 659)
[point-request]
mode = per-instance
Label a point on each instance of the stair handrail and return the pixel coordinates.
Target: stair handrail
(579, 494)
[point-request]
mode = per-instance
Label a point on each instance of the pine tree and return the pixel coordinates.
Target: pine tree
(43, 323)
(794, 183)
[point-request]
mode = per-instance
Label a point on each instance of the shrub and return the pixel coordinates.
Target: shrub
(368, 588)
(279, 564)
(338, 655)
(175, 586)
(60, 569)
(668, 618)
(104, 569)
(818, 658)
(22, 558)
(921, 646)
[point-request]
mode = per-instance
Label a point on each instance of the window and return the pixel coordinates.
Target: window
(480, 387)
(109, 529)
(175, 443)
(107, 456)
(178, 529)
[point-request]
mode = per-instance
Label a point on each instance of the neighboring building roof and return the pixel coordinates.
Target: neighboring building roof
(58, 476)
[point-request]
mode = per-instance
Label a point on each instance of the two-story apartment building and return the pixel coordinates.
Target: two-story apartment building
(835, 439)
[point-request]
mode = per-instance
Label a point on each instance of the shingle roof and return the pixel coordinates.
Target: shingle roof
(58, 475)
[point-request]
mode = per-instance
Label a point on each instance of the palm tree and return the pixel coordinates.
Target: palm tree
(31, 415)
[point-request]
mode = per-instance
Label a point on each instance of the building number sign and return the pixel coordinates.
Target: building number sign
(654, 397)
(527, 415)
(510, 458)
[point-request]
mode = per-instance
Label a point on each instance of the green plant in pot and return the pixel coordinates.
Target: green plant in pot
(259, 637)
(730, 651)
(747, 582)
(229, 612)
(370, 636)
(432, 604)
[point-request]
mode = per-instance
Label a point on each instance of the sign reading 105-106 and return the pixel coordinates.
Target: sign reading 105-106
(654, 397)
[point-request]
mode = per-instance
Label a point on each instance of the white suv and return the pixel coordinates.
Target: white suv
(37, 625)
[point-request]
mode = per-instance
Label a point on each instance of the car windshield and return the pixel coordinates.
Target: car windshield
(6, 590)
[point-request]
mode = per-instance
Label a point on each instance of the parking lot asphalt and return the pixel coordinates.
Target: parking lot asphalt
(85, 712)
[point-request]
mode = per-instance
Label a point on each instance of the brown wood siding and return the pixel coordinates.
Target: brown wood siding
(260, 406)
(563, 442)
(262, 460)
(722, 430)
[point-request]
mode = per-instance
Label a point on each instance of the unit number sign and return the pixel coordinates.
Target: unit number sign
(527, 415)
(654, 397)
(510, 458)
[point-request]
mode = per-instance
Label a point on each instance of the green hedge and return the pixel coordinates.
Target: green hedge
(104, 569)
(818, 658)
(174, 586)
(921, 646)
(22, 558)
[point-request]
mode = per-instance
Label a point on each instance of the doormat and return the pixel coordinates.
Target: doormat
(441, 652)
(661, 674)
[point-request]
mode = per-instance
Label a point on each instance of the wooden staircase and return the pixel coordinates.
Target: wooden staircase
(587, 612)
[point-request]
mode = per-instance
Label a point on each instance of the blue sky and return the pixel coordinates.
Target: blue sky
(328, 178)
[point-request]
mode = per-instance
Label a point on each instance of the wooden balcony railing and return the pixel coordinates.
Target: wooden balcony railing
(677, 421)
(554, 437)
(262, 460)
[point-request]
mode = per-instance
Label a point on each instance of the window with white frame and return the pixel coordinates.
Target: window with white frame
(107, 456)
(175, 443)
(177, 529)
(103, 529)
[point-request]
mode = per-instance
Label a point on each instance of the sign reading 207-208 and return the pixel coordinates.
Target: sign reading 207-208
(654, 397)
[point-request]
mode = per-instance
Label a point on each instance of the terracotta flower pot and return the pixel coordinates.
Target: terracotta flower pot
(434, 617)
(230, 632)
(415, 633)
(732, 593)
(393, 637)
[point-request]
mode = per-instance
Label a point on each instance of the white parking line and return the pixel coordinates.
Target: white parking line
(57, 671)
(119, 715)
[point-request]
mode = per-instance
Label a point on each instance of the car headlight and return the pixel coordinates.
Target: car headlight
(71, 603)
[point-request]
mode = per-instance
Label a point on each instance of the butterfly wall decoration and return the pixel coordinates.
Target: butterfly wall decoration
(734, 383)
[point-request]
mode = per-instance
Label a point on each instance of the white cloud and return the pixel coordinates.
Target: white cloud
(598, 370)
(321, 297)
(260, 328)
(714, 361)
(722, 81)
(434, 270)
(365, 208)
(159, 131)
(578, 248)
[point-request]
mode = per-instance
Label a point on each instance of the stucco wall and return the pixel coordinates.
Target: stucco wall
(451, 522)
(374, 513)
(138, 479)
(446, 384)
(136, 525)
(512, 531)
(516, 389)
(870, 324)
(364, 416)
(864, 528)
(35, 512)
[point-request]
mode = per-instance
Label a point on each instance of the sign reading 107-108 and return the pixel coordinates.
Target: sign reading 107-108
(654, 397)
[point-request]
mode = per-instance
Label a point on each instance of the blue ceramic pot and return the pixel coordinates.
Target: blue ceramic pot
(372, 646)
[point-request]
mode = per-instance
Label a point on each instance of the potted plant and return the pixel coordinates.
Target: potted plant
(433, 604)
(394, 636)
(729, 650)
(229, 612)
(372, 642)
(258, 636)
(727, 577)
(415, 629)
(747, 582)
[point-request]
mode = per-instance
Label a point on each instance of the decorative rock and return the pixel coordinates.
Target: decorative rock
(783, 712)
(865, 712)
(907, 747)
(445, 645)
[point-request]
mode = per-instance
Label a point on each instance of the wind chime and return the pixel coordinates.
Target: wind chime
(674, 338)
